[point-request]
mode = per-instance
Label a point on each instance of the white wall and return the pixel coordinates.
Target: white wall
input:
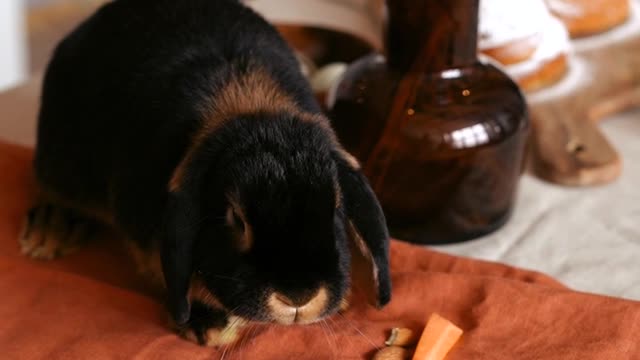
(13, 59)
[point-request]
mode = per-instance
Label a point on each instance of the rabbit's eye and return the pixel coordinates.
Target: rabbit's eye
(234, 219)
(238, 222)
(240, 228)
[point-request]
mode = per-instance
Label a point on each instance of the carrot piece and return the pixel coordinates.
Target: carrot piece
(437, 339)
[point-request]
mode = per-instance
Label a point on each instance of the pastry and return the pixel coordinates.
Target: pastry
(549, 63)
(510, 31)
(526, 39)
(588, 17)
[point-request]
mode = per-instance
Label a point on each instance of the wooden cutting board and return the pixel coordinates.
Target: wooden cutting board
(568, 146)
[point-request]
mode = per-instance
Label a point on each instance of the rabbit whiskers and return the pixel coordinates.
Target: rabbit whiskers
(350, 323)
(330, 334)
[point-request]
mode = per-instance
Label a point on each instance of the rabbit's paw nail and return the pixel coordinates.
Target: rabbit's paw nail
(50, 232)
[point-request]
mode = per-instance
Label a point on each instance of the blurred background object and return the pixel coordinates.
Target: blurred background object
(327, 35)
(48, 21)
(590, 17)
(326, 31)
(13, 58)
(526, 39)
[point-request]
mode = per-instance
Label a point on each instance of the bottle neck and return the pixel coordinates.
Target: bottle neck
(432, 35)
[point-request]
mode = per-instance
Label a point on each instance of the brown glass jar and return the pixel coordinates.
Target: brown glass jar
(441, 135)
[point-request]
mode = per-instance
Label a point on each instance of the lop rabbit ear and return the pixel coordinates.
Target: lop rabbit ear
(367, 230)
(177, 253)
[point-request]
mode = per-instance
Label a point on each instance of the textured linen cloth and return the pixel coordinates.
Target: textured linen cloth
(91, 305)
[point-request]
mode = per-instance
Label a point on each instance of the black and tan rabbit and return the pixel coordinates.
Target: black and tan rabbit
(188, 126)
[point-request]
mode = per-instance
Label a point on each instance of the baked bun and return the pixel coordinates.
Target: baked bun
(588, 17)
(532, 45)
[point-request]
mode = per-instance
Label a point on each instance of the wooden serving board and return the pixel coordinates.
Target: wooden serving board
(568, 146)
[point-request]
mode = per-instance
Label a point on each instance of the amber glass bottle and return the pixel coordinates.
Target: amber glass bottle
(441, 135)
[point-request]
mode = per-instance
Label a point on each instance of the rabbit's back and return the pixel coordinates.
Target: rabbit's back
(124, 93)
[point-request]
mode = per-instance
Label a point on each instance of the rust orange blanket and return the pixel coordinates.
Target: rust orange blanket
(91, 305)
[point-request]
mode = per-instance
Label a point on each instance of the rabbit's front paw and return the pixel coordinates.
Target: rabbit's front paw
(208, 326)
(51, 231)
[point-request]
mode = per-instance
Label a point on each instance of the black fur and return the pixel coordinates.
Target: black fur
(121, 101)
(283, 171)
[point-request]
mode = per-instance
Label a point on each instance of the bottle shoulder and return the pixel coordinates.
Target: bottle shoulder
(456, 108)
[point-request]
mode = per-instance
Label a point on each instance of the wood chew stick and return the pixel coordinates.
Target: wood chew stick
(437, 339)
(402, 337)
(392, 353)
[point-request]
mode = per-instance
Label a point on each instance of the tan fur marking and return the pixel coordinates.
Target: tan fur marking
(226, 336)
(213, 336)
(350, 159)
(364, 270)
(338, 191)
(178, 173)
(253, 93)
(344, 304)
(218, 337)
(198, 291)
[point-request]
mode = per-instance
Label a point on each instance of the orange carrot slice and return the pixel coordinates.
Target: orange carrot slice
(437, 339)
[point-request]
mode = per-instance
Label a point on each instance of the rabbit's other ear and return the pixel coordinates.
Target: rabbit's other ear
(367, 230)
(177, 253)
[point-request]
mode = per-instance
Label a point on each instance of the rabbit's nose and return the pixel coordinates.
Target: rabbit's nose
(302, 307)
(296, 300)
